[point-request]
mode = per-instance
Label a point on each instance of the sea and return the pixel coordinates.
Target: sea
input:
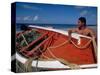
(64, 27)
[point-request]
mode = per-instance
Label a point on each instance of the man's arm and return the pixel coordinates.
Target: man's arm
(92, 34)
(70, 31)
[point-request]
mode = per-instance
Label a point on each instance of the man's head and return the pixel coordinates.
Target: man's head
(81, 22)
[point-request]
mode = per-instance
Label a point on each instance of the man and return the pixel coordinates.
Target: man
(82, 29)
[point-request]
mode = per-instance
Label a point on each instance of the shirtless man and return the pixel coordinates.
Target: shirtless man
(82, 29)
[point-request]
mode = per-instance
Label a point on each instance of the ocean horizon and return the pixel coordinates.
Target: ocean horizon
(64, 27)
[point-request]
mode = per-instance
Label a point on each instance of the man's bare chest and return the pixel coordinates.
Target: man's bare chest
(83, 32)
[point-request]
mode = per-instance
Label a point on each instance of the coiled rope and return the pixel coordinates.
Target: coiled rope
(71, 65)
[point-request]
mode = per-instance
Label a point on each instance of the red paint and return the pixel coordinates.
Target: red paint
(68, 51)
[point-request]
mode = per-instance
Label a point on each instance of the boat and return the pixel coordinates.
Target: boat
(49, 48)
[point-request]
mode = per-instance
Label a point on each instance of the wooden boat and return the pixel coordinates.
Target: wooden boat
(53, 50)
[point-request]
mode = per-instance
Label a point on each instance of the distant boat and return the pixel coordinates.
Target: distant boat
(51, 46)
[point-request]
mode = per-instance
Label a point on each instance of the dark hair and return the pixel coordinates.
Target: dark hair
(83, 19)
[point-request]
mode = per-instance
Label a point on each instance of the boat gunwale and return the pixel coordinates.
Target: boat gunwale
(23, 60)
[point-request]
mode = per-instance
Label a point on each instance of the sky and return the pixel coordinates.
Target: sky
(54, 14)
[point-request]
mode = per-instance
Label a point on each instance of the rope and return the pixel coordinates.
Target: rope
(83, 47)
(24, 39)
(60, 44)
(44, 55)
(19, 68)
(28, 64)
(71, 65)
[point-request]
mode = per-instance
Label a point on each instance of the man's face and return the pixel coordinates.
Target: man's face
(80, 24)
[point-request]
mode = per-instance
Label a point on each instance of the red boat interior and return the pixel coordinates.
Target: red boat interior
(52, 45)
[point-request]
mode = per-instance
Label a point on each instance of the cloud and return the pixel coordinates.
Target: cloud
(18, 18)
(35, 18)
(84, 13)
(31, 7)
(26, 18)
(87, 13)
